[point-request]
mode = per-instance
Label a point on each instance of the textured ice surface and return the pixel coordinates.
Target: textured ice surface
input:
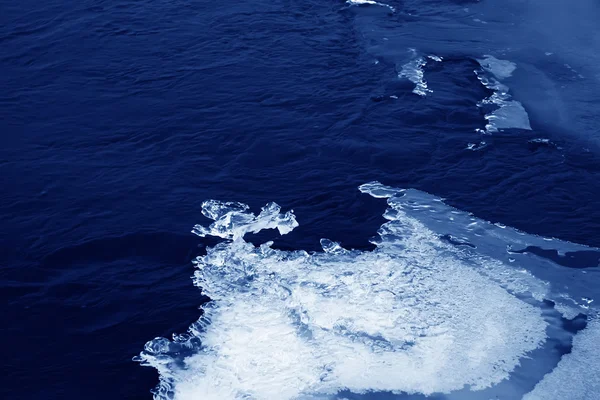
(440, 306)
(577, 376)
(233, 221)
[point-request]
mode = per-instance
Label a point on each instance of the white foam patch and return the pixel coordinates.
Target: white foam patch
(413, 71)
(576, 377)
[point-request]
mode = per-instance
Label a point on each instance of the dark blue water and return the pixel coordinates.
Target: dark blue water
(119, 118)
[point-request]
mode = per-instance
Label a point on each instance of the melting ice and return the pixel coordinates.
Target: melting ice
(504, 112)
(369, 2)
(440, 307)
(553, 42)
(413, 71)
(508, 113)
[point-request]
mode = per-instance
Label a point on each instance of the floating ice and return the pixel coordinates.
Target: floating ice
(576, 377)
(540, 141)
(413, 71)
(232, 221)
(371, 2)
(508, 113)
(501, 69)
(433, 309)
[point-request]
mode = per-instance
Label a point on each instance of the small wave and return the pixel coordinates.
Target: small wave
(435, 308)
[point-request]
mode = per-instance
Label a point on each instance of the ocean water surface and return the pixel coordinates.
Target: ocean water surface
(388, 200)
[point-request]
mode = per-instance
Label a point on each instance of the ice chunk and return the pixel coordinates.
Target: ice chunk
(413, 71)
(233, 221)
(371, 2)
(416, 315)
(507, 113)
(439, 307)
(501, 69)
